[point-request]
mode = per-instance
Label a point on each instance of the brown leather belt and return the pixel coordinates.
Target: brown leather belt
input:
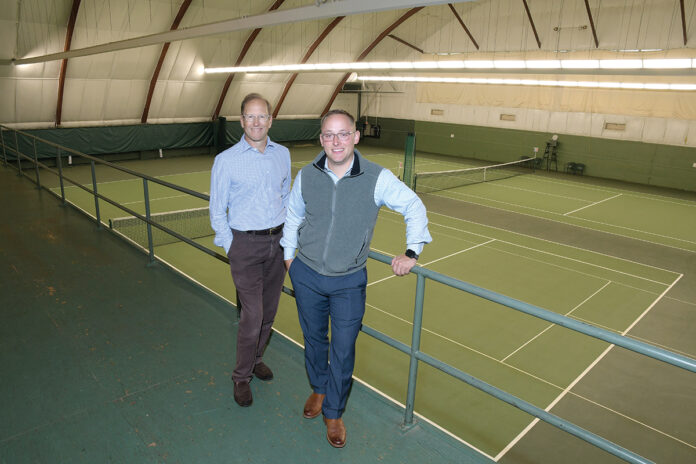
(271, 231)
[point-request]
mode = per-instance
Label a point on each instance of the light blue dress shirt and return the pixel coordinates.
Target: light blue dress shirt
(248, 189)
(389, 192)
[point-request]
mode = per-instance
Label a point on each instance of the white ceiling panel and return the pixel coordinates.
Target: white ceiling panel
(113, 85)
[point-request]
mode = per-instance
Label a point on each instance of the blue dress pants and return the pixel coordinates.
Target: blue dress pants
(340, 300)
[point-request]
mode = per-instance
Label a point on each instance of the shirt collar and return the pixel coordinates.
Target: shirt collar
(247, 146)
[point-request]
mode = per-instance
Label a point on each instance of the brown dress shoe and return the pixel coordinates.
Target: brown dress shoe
(242, 394)
(263, 372)
(312, 408)
(335, 432)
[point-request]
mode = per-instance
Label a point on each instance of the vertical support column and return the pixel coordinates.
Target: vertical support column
(36, 167)
(415, 348)
(150, 245)
(59, 163)
(96, 198)
(19, 162)
(4, 152)
(410, 160)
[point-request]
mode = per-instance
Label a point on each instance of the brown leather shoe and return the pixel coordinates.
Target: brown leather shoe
(335, 432)
(242, 394)
(312, 407)
(263, 372)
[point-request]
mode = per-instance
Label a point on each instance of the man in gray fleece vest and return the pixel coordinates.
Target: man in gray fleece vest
(331, 216)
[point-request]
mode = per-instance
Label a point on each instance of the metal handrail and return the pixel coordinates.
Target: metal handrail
(422, 274)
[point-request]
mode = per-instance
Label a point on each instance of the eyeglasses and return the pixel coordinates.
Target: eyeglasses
(260, 117)
(342, 136)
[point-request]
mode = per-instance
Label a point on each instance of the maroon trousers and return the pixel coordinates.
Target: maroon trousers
(258, 271)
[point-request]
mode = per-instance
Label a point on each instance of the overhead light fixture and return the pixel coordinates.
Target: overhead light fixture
(537, 82)
(630, 64)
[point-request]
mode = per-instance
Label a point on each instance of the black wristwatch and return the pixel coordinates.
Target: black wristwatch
(411, 254)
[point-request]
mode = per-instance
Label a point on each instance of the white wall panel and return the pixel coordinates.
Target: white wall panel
(124, 99)
(654, 130)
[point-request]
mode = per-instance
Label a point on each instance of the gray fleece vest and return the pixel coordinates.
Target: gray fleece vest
(334, 238)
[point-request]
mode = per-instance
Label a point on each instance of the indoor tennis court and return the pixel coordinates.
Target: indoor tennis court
(551, 320)
(530, 358)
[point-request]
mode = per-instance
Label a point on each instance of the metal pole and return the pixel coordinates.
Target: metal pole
(415, 349)
(150, 245)
(36, 166)
(96, 198)
(4, 152)
(19, 163)
(59, 163)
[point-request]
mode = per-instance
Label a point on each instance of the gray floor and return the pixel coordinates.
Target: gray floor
(107, 359)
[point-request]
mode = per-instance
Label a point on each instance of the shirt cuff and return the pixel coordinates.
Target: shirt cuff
(289, 253)
(416, 247)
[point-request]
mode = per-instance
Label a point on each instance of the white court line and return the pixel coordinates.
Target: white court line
(551, 325)
(502, 185)
(636, 421)
(137, 179)
(543, 240)
(430, 262)
(573, 217)
(468, 348)
(592, 204)
(628, 193)
(155, 199)
(557, 255)
(580, 272)
(681, 301)
(581, 376)
(575, 225)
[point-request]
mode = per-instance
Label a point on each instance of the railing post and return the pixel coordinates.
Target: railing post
(19, 162)
(150, 245)
(415, 348)
(96, 198)
(4, 152)
(36, 166)
(59, 163)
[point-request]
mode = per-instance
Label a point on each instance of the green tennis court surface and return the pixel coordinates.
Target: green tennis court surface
(525, 356)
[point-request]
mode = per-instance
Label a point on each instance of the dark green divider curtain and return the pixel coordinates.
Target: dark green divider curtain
(120, 139)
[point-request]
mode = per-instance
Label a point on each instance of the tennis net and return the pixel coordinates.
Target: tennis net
(191, 223)
(428, 182)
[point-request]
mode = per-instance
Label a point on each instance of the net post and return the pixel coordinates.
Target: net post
(150, 245)
(409, 160)
(36, 166)
(415, 349)
(59, 163)
(96, 198)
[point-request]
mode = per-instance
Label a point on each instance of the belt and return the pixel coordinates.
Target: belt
(271, 231)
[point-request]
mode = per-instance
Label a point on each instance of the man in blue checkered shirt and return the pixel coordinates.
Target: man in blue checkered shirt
(249, 189)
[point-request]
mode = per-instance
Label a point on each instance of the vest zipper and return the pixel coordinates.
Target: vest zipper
(331, 226)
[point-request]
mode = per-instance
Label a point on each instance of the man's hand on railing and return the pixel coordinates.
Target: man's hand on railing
(402, 264)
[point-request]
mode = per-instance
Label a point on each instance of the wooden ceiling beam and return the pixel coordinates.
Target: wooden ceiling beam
(242, 54)
(594, 31)
(683, 18)
(165, 48)
(369, 48)
(311, 50)
(64, 63)
(466, 29)
(531, 21)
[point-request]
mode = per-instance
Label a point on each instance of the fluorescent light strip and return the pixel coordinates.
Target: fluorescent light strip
(550, 83)
(676, 63)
